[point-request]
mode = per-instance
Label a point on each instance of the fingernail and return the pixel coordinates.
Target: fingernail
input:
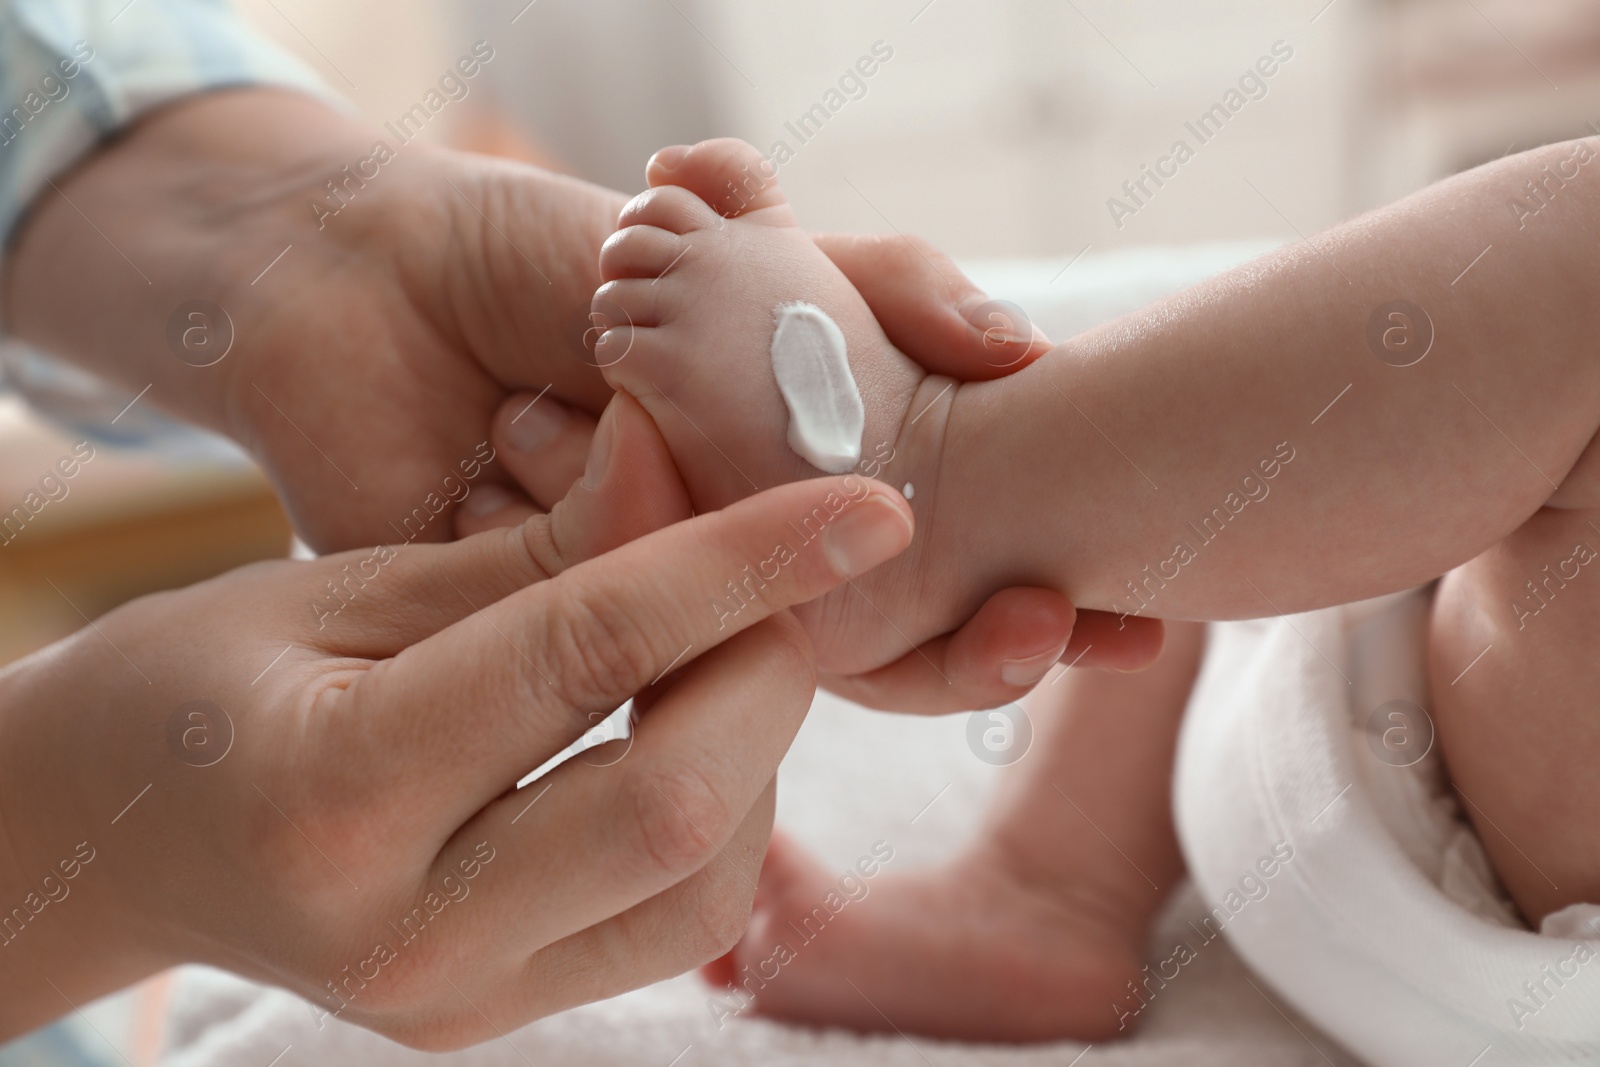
(594, 468)
(866, 535)
(1030, 670)
(1000, 321)
(669, 157)
(972, 302)
(486, 500)
(535, 426)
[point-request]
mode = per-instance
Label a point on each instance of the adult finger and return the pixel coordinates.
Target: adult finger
(677, 930)
(591, 840)
(931, 311)
(1001, 653)
(376, 602)
(1113, 641)
(542, 443)
(658, 938)
(498, 693)
(630, 486)
(493, 507)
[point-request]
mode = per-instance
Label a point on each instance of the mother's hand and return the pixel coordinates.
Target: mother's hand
(376, 323)
(304, 772)
(932, 312)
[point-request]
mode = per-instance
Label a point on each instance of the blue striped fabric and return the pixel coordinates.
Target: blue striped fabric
(74, 71)
(68, 1043)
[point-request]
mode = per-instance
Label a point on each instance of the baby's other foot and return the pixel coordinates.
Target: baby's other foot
(969, 951)
(694, 277)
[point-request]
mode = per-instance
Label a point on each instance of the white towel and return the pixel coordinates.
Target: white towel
(1386, 925)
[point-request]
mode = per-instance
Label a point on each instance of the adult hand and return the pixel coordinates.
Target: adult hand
(374, 303)
(338, 817)
(932, 311)
(380, 306)
(376, 306)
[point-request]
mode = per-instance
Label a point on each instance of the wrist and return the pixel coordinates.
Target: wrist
(66, 937)
(185, 208)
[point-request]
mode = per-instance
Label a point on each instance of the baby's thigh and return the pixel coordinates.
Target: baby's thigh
(1514, 668)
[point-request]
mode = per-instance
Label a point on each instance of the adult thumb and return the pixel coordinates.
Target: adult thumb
(630, 487)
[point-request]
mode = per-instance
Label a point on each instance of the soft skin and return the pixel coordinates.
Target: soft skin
(379, 352)
(1259, 405)
(1209, 400)
(374, 754)
(372, 358)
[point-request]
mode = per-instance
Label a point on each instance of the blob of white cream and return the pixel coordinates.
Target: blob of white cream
(826, 416)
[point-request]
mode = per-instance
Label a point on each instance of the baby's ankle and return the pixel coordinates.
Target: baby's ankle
(919, 594)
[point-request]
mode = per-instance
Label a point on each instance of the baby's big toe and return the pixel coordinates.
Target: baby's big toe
(728, 174)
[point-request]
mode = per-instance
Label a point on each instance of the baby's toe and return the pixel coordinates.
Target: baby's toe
(668, 208)
(633, 302)
(728, 174)
(640, 252)
(624, 317)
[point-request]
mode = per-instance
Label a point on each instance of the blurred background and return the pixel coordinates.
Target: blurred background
(999, 127)
(1003, 130)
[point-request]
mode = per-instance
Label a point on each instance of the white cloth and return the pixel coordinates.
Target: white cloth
(1386, 925)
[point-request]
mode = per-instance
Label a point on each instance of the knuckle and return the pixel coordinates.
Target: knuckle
(597, 648)
(679, 820)
(533, 548)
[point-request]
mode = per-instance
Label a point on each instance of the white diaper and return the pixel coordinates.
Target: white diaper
(1384, 924)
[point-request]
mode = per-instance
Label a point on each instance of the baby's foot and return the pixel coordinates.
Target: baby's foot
(971, 951)
(694, 275)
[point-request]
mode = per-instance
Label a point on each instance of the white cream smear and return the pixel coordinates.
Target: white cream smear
(617, 726)
(826, 416)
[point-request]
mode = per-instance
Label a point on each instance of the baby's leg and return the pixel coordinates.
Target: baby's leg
(1038, 929)
(1346, 417)
(1520, 726)
(1250, 447)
